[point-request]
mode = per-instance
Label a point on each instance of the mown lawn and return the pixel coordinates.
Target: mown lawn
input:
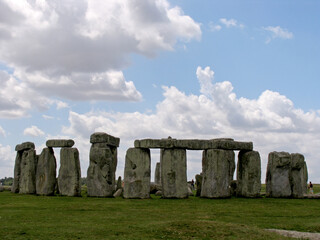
(37, 217)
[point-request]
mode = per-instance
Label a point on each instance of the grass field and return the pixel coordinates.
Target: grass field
(37, 217)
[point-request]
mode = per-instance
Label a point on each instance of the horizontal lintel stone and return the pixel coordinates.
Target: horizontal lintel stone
(102, 137)
(53, 143)
(194, 144)
(25, 146)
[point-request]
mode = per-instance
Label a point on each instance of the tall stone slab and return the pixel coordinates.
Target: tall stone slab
(46, 173)
(69, 172)
(174, 173)
(17, 173)
(137, 173)
(278, 175)
(101, 171)
(27, 181)
(157, 174)
(198, 184)
(298, 175)
(248, 174)
(218, 167)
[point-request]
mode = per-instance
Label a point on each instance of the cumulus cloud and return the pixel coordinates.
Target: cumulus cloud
(277, 32)
(230, 23)
(7, 156)
(33, 131)
(271, 121)
(2, 131)
(76, 49)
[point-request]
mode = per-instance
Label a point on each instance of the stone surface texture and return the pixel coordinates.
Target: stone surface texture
(217, 168)
(101, 172)
(198, 184)
(17, 173)
(69, 172)
(157, 174)
(137, 173)
(299, 178)
(278, 175)
(174, 173)
(54, 143)
(27, 181)
(25, 146)
(46, 173)
(248, 174)
(102, 137)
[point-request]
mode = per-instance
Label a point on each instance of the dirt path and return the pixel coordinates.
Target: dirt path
(295, 234)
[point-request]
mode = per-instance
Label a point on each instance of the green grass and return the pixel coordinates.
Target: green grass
(38, 217)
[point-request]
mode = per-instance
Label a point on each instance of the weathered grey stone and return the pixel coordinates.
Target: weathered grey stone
(278, 175)
(46, 173)
(198, 184)
(248, 174)
(25, 146)
(27, 181)
(298, 178)
(101, 172)
(54, 143)
(155, 187)
(102, 137)
(174, 173)
(69, 172)
(194, 144)
(158, 193)
(157, 174)
(17, 173)
(217, 168)
(118, 193)
(137, 173)
(119, 183)
(190, 193)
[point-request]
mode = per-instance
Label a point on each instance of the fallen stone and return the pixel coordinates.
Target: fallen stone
(69, 172)
(158, 193)
(198, 184)
(27, 181)
(174, 173)
(25, 146)
(46, 173)
(217, 168)
(248, 174)
(118, 193)
(101, 137)
(154, 188)
(298, 179)
(157, 174)
(278, 175)
(101, 172)
(54, 143)
(137, 173)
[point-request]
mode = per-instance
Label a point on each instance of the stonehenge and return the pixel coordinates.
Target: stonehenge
(286, 175)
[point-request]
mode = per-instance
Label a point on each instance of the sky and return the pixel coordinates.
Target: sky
(247, 70)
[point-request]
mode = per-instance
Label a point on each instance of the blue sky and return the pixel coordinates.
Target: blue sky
(248, 70)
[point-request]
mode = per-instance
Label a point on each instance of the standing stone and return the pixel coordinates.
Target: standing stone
(217, 168)
(69, 172)
(157, 174)
(101, 172)
(137, 173)
(27, 182)
(174, 173)
(248, 174)
(46, 173)
(119, 183)
(278, 175)
(198, 184)
(298, 178)
(17, 173)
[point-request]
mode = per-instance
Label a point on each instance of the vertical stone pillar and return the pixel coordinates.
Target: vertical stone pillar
(248, 174)
(137, 173)
(198, 184)
(27, 183)
(217, 168)
(69, 172)
(174, 173)
(298, 178)
(101, 173)
(278, 175)
(157, 174)
(46, 173)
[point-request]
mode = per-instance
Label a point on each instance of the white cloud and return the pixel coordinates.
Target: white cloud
(271, 122)
(228, 23)
(33, 131)
(214, 27)
(61, 105)
(2, 131)
(6, 161)
(278, 32)
(47, 117)
(76, 49)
